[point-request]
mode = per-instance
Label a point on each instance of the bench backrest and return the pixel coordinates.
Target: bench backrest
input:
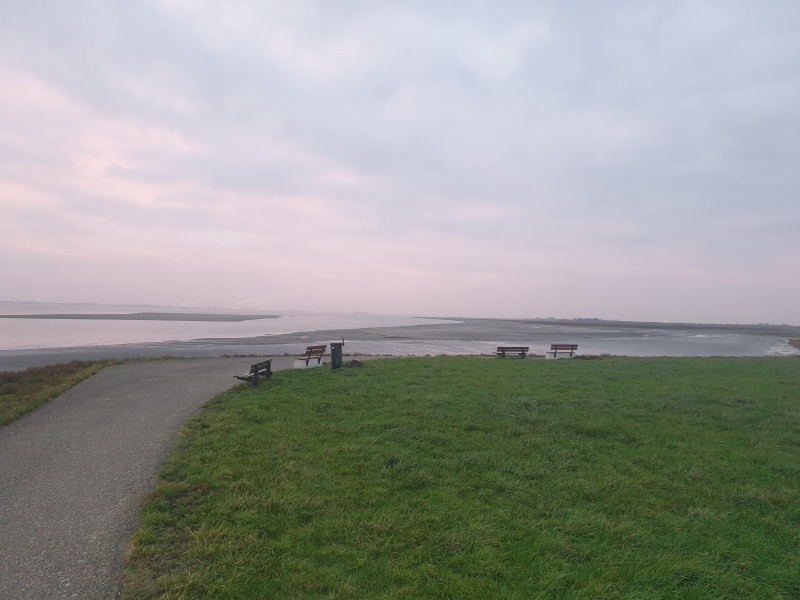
(563, 346)
(513, 348)
(314, 350)
(260, 366)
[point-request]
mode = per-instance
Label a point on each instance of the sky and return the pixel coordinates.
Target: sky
(628, 160)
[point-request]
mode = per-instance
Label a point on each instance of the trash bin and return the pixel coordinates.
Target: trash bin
(336, 354)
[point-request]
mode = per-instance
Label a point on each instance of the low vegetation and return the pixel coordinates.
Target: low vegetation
(484, 478)
(24, 391)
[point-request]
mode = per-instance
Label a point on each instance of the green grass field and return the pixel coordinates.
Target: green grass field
(484, 478)
(24, 391)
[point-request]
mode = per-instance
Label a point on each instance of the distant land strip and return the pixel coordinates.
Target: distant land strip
(790, 331)
(145, 316)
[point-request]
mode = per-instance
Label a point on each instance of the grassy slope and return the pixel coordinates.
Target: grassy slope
(476, 478)
(24, 391)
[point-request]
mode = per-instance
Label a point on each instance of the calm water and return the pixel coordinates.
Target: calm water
(31, 334)
(668, 344)
(26, 334)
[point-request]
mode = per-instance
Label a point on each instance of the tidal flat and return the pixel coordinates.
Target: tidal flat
(453, 336)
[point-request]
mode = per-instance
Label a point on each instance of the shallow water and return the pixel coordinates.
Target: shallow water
(210, 338)
(657, 345)
(32, 333)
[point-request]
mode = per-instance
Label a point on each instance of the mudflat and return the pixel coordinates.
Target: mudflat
(542, 331)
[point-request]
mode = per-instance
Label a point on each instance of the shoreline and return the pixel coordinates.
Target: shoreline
(459, 331)
(144, 316)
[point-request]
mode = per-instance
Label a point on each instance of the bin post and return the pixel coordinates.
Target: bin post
(336, 354)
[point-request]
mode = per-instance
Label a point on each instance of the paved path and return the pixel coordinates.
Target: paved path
(74, 473)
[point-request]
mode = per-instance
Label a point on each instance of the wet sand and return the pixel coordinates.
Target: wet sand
(510, 331)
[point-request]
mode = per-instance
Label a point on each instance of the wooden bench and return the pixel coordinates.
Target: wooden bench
(260, 369)
(520, 351)
(564, 348)
(313, 352)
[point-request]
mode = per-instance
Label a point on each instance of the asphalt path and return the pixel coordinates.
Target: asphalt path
(74, 474)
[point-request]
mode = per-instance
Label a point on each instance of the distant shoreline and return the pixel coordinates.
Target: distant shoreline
(145, 316)
(485, 332)
(745, 328)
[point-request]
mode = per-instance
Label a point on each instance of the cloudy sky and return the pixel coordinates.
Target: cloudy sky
(618, 159)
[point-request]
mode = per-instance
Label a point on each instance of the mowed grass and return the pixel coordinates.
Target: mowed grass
(484, 478)
(24, 391)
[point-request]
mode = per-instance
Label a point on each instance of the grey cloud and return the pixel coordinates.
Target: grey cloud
(641, 126)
